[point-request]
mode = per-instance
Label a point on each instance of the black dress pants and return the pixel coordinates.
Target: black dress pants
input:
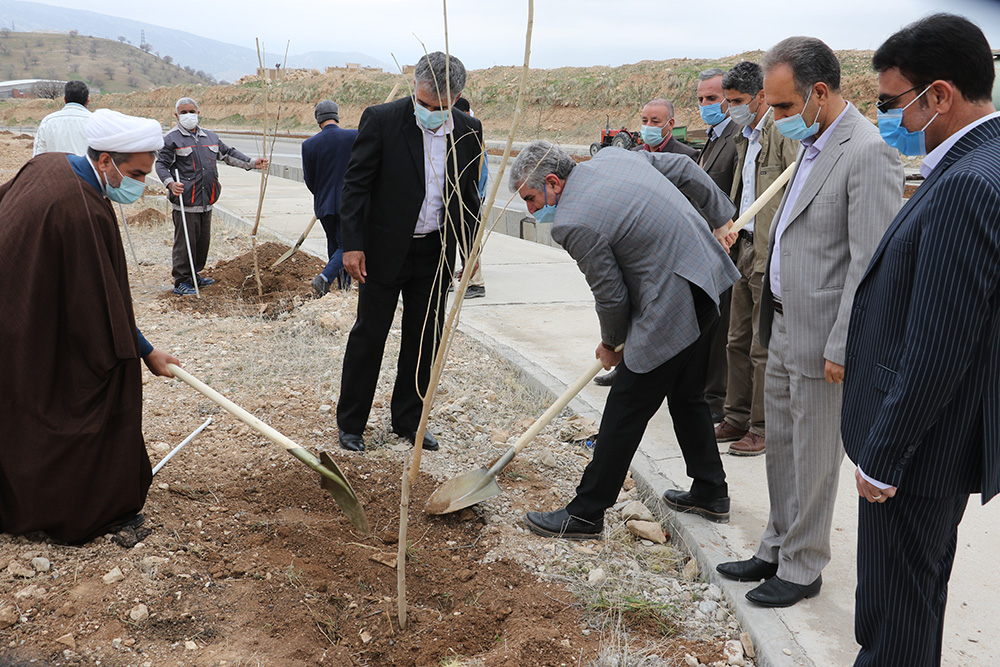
(632, 402)
(420, 282)
(906, 547)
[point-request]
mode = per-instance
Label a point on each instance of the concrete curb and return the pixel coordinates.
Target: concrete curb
(775, 643)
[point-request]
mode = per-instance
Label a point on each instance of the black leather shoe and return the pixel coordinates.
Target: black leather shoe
(430, 442)
(682, 501)
(777, 592)
(753, 569)
(607, 379)
(561, 524)
(351, 442)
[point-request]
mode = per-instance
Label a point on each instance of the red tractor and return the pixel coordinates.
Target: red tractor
(621, 138)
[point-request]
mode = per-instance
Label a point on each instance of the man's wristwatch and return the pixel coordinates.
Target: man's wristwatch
(607, 346)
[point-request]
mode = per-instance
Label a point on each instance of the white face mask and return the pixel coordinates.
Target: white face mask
(188, 121)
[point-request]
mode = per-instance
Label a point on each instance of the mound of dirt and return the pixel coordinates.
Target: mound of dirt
(148, 217)
(284, 287)
(262, 562)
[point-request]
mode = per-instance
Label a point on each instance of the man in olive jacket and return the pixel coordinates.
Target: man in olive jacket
(762, 154)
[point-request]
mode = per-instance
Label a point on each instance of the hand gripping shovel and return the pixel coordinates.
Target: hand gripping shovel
(298, 244)
(333, 480)
(478, 485)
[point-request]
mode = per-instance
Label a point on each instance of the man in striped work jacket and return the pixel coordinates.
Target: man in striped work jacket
(193, 152)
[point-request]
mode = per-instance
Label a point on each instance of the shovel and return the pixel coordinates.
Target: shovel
(187, 239)
(761, 201)
(478, 485)
(181, 446)
(298, 244)
(333, 480)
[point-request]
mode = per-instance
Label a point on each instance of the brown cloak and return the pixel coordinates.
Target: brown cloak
(72, 457)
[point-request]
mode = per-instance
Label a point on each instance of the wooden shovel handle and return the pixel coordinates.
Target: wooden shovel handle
(234, 409)
(761, 201)
(306, 233)
(560, 403)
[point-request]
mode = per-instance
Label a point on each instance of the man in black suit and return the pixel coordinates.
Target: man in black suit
(922, 379)
(718, 158)
(404, 206)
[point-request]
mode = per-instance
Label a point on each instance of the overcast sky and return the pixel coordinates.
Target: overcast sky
(484, 33)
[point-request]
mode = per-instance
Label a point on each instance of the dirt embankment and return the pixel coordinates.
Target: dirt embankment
(568, 104)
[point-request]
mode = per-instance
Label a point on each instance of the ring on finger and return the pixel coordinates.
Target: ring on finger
(877, 497)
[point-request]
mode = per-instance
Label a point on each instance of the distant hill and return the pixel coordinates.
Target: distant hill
(569, 105)
(221, 60)
(104, 65)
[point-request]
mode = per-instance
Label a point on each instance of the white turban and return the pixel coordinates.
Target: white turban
(113, 132)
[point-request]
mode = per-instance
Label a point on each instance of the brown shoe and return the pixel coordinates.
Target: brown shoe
(749, 445)
(726, 432)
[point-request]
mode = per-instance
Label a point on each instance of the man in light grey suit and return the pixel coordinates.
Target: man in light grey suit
(656, 272)
(847, 186)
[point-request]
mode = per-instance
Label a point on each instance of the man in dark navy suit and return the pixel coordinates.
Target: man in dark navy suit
(411, 197)
(324, 162)
(921, 412)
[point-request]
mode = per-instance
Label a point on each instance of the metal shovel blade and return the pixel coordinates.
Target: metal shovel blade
(463, 491)
(335, 482)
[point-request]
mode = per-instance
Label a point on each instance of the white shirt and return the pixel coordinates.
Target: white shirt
(935, 156)
(63, 131)
(716, 130)
(750, 169)
(813, 145)
(435, 151)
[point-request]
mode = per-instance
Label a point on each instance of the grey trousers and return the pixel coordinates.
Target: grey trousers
(746, 358)
(804, 453)
(200, 231)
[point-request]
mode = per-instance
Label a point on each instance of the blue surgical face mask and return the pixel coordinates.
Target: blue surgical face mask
(890, 126)
(546, 213)
(712, 113)
(795, 128)
(651, 135)
(428, 119)
(127, 192)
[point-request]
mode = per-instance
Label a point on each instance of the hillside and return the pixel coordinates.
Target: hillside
(220, 59)
(567, 104)
(105, 65)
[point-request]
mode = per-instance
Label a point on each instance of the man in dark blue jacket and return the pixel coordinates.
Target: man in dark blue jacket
(921, 413)
(324, 161)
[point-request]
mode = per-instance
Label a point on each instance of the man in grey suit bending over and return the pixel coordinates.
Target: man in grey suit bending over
(656, 272)
(847, 186)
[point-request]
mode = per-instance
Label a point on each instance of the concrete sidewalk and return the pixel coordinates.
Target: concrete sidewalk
(539, 312)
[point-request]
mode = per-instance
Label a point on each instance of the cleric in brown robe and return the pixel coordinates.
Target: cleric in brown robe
(72, 459)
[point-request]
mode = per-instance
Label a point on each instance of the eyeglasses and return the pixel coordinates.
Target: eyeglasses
(883, 106)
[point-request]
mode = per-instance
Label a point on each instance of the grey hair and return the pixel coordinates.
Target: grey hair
(431, 70)
(746, 77)
(183, 101)
(536, 161)
(709, 73)
(662, 102)
(810, 60)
